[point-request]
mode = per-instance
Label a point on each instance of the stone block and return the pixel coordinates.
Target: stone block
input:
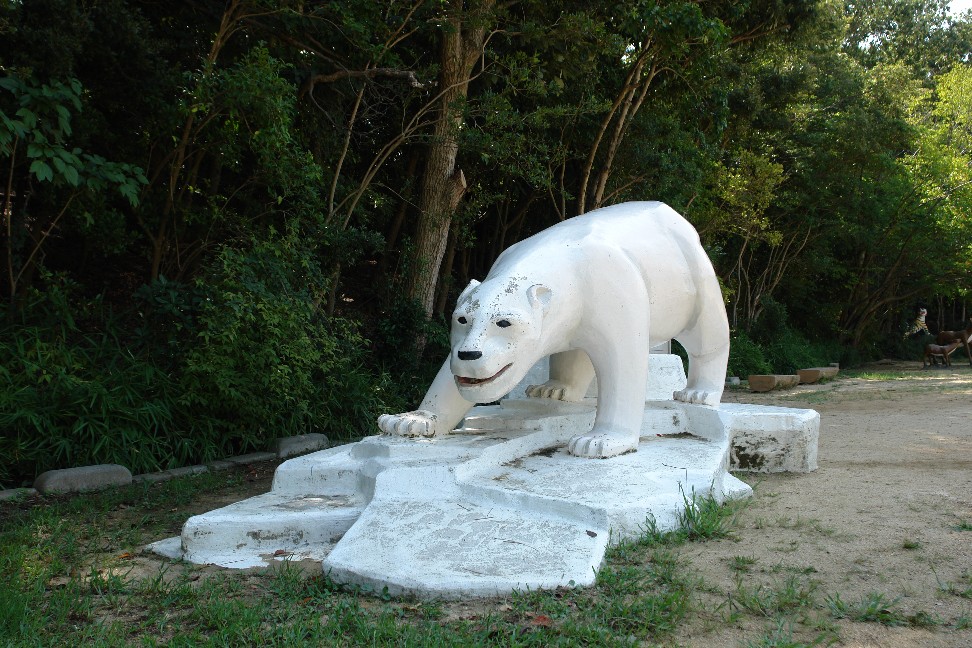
(814, 374)
(253, 457)
(785, 381)
(85, 478)
(15, 493)
(769, 439)
(302, 444)
(762, 382)
(769, 382)
(166, 475)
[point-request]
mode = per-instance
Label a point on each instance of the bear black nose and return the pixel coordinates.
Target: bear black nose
(470, 355)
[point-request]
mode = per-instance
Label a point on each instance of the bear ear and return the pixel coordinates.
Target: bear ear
(467, 291)
(539, 296)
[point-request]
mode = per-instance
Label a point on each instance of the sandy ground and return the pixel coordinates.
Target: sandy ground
(889, 511)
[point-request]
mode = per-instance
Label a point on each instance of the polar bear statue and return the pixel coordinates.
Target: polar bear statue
(595, 293)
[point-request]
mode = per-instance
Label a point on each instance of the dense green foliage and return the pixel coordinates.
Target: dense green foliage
(215, 214)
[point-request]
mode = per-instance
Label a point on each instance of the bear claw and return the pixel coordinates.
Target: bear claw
(419, 423)
(698, 396)
(601, 446)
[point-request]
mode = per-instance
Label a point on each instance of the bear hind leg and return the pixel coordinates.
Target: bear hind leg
(706, 379)
(707, 344)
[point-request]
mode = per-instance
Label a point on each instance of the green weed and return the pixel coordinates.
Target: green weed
(781, 636)
(876, 608)
(962, 589)
(741, 564)
(789, 596)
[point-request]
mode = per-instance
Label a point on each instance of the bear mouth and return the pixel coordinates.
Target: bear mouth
(472, 382)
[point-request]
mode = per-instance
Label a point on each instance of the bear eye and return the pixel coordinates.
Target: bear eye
(503, 323)
(461, 320)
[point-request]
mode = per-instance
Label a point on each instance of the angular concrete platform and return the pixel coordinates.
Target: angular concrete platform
(496, 505)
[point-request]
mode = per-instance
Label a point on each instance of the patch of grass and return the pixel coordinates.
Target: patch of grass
(781, 636)
(876, 608)
(703, 518)
(963, 526)
(963, 588)
(65, 569)
(805, 523)
(911, 545)
(771, 601)
(880, 375)
(700, 518)
(741, 564)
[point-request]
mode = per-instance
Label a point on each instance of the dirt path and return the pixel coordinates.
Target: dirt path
(888, 512)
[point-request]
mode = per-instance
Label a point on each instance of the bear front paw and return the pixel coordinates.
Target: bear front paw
(419, 423)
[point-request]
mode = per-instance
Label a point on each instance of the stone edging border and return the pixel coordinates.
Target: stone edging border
(92, 478)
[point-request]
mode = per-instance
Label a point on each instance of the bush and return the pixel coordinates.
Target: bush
(216, 369)
(71, 398)
(746, 357)
(411, 348)
(791, 352)
(783, 349)
(264, 362)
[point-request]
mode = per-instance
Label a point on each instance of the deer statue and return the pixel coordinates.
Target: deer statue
(932, 351)
(962, 337)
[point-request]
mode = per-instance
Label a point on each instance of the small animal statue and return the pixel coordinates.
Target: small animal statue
(963, 337)
(945, 337)
(919, 325)
(932, 351)
(595, 293)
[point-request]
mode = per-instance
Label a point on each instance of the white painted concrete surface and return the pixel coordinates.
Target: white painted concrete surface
(498, 504)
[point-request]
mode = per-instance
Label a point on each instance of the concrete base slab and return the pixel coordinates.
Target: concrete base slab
(494, 506)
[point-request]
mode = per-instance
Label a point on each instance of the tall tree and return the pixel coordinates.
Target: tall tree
(464, 30)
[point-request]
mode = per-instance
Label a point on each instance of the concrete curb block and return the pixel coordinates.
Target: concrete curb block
(14, 493)
(302, 444)
(85, 478)
(91, 478)
(166, 475)
(253, 457)
(221, 464)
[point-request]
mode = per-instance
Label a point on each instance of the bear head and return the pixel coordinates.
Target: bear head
(496, 336)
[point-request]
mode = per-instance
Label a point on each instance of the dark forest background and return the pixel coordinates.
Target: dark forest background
(225, 222)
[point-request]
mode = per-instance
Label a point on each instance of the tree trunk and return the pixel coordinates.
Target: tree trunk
(443, 184)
